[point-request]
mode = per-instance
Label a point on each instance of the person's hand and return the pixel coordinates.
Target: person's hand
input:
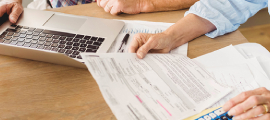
(13, 8)
(249, 105)
(124, 6)
(157, 43)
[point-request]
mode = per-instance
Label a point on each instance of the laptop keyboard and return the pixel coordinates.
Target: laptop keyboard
(61, 42)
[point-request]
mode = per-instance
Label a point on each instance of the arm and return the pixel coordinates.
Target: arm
(210, 17)
(138, 6)
(13, 8)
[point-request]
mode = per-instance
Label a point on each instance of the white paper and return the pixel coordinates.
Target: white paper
(134, 27)
(160, 86)
(232, 69)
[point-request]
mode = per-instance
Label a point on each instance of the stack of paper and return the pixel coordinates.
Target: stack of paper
(243, 67)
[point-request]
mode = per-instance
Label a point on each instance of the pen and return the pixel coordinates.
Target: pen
(124, 41)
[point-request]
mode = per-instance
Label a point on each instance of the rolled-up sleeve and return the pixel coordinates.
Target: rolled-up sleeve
(226, 15)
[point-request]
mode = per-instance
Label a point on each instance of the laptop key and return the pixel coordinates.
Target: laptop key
(91, 50)
(31, 29)
(40, 47)
(23, 32)
(47, 43)
(21, 39)
(69, 52)
(24, 27)
(8, 37)
(68, 47)
(89, 42)
(62, 38)
(97, 43)
(49, 35)
(10, 33)
(13, 25)
(79, 36)
(20, 43)
(69, 39)
(76, 44)
(92, 47)
(87, 37)
(22, 35)
(42, 35)
(36, 33)
(13, 42)
(55, 36)
(14, 38)
(101, 39)
(34, 46)
(4, 33)
(28, 40)
(7, 41)
(94, 38)
(29, 37)
(79, 57)
(61, 50)
(82, 49)
(76, 53)
(55, 49)
(49, 40)
(75, 48)
(42, 38)
(38, 30)
(16, 35)
(61, 46)
(34, 41)
(83, 45)
(48, 48)
(35, 37)
(63, 42)
(2, 40)
(54, 44)
(56, 41)
(69, 43)
(76, 40)
(27, 45)
(2, 36)
(41, 42)
(29, 33)
(82, 41)
(72, 56)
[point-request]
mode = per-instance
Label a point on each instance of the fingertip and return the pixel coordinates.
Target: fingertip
(140, 55)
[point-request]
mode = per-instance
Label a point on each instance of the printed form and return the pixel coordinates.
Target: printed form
(158, 87)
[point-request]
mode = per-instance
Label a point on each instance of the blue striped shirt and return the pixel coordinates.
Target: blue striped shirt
(226, 15)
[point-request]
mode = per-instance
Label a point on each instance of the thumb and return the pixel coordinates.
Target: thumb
(143, 50)
(15, 13)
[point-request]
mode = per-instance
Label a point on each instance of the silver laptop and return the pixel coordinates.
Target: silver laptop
(56, 37)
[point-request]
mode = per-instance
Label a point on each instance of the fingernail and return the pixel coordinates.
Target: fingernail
(231, 112)
(140, 54)
(236, 118)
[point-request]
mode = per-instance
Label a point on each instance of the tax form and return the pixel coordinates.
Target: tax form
(158, 87)
(133, 27)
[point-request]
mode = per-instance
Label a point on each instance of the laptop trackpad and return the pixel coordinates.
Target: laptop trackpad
(65, 22)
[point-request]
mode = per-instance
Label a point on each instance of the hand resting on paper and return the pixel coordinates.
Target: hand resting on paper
(184, 30)
(254, 104)
(13, 8)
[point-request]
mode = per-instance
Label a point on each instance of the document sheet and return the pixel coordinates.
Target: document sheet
(231, 69)
(158, 87)
(133, 27)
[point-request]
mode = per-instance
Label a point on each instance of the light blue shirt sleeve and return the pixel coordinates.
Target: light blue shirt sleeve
(226, 15)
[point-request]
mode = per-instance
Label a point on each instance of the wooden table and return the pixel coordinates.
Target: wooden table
(37, 90)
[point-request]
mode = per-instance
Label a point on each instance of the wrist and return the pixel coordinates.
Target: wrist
(146, 6)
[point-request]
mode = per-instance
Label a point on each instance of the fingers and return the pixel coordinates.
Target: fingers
(242, 97)
(259, 110)
(16, 11)
(98, 3)
(103, 3)
(263, 117)
(143, 50)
